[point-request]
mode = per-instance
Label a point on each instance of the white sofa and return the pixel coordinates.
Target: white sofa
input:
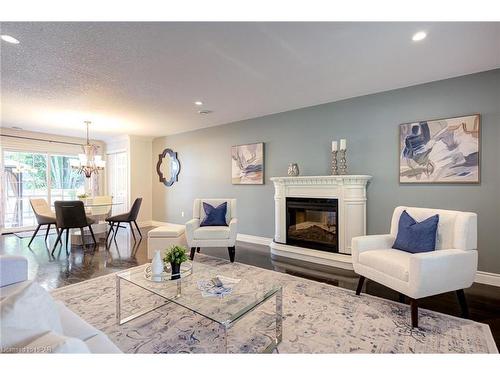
(216, 236)
(451, 267)
(32, 322)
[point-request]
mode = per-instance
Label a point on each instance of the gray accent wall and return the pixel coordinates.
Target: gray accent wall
(370, 125)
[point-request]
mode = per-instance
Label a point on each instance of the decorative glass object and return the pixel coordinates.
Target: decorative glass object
(186, 269)
(335, 169)
(293, 169)
(343, 162)
(157, 264)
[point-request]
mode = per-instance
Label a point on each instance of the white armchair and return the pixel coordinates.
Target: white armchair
(451, 267)
(218, 236)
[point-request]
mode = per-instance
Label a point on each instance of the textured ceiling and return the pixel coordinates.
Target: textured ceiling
(142, 78)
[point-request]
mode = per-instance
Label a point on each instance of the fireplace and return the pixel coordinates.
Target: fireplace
(335, 204)
(312, 223)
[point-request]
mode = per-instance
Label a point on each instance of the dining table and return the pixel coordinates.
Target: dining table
(98, 211)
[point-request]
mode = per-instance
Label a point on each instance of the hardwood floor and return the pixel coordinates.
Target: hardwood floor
(89, 262)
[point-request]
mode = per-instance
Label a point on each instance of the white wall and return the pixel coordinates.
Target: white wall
(141, 174)
(118, 144)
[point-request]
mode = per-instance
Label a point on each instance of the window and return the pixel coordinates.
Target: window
(65, 182)
(25, 178)
(36, 175)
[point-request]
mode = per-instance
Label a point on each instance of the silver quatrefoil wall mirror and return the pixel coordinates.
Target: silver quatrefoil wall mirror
(168, 167)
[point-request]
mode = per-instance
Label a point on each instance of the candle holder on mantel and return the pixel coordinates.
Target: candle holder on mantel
(343, 162)
(335, 169)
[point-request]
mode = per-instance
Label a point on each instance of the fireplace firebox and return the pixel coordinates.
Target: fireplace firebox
(312, 223)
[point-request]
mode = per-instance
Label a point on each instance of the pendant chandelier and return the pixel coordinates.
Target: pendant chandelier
(88, 162)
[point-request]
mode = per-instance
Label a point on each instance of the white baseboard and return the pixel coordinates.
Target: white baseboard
(146, 223)
(254, 239)
(241, 237)
(487, 278)
(155, 223)
(482, 277)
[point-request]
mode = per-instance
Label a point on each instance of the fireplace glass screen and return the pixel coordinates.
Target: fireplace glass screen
(312, 223)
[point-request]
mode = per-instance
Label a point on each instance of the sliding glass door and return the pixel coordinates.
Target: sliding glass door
(25, 177)
(36, 175)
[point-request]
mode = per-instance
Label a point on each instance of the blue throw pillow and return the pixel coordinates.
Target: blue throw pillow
(414, 237)
(215, 216)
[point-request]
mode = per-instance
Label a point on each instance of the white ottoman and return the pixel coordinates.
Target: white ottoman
(161, 238)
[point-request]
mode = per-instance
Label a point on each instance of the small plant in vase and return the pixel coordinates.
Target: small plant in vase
(176, 255)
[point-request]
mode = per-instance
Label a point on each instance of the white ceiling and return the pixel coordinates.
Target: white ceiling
(142, 78)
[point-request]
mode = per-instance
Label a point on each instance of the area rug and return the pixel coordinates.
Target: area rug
(317, 318)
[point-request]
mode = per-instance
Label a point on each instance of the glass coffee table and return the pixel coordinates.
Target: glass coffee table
(225, 311)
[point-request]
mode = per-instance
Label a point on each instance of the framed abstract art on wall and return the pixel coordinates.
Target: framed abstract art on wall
(440, 151)
(247, 164)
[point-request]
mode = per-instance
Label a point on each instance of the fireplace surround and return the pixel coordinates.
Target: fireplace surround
(346, 196)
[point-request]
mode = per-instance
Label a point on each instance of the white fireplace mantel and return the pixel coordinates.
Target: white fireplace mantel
(349, 190)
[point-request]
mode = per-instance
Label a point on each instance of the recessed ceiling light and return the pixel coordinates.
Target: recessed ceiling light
(9, 39)
(205, 112)
(198, 102)
(417, 37)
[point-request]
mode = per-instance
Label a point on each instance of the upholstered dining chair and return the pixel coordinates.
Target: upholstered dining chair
(212, 236)
(71, 215)
(128, 217)
(43, 215)
(451, 266)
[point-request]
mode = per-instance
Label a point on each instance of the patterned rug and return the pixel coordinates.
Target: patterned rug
(317, 318)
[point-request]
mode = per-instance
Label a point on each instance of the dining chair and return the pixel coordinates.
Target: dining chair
(43, 215)
(128, 217)
(71, 215)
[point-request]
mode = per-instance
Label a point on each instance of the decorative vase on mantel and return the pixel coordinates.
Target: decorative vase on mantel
(176, 270)
(293, 169)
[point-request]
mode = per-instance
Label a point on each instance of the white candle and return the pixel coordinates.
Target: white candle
(343, 144)
(334, 146)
